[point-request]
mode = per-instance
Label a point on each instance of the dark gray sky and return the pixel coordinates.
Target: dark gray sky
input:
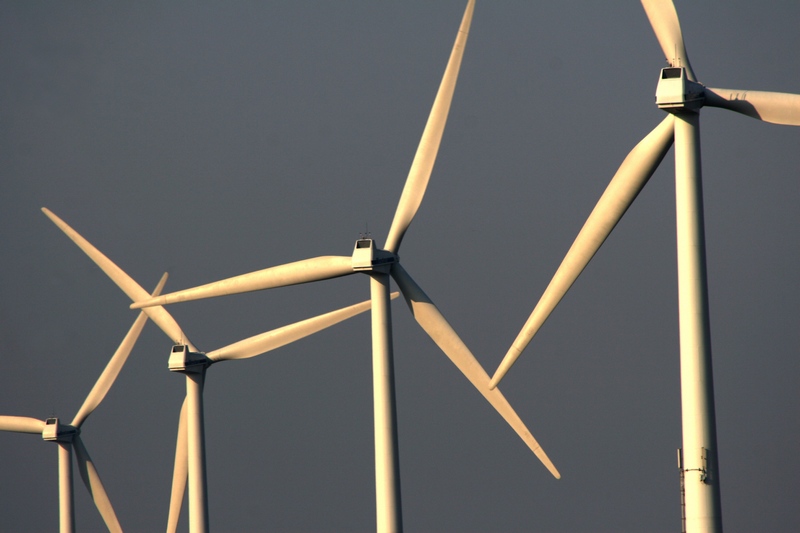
(210, 141)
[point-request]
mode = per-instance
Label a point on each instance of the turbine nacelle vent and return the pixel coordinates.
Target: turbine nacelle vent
(676, 91)
(183, 360)
(58, 432)
(366, 257)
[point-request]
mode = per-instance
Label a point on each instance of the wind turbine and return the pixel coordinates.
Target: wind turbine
(186, 359)
(379, 265)
(682, 96)
(68, 436)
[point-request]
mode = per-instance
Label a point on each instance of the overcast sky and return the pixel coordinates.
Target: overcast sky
(209, 141)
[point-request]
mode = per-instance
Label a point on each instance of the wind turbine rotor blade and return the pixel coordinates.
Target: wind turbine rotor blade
(308, 270)
(777, 108)
(95, 487)
(422, 166)
(631, 177)
(436, 326)
(21, 424)
(664, 20)
(135, 292)
(270, 340)
(112, 370)
(180, 472)
(115, 364)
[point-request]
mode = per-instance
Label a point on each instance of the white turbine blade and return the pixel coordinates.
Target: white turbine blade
(21, 424)
(664, 20)
(95, 487)
(308, 270)
(276, 338)
(421, 168)
(114, 366)
(777, 108)
(180, 472)
(428, 316)
(630, 178)
(134, 291)
(111, 372)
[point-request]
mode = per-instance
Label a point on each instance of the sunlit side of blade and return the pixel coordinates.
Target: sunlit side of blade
(134, 291)
(180, 473)
(115, 364)
(631, 177)
(111, 371)
(95, 487)
(308, 270)
(428, 316)
(664, 20)
(777, 108)
(21, 424)
(276, 338)
(421, 168)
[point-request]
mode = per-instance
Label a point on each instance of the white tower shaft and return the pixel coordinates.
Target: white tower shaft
(702, 494)
(198, 496)
(66, 508)
(387, 468)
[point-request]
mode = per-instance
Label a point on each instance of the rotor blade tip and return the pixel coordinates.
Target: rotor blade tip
(554, 471)
(540, 453)
(498, 375)
(152, 302)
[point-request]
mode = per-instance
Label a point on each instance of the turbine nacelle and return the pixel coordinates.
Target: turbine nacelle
(54, 431)
(676, 92)
(368, 258)
(181, 359)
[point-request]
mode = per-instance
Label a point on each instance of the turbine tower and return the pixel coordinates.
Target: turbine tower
(186, 359)
(68, 436)
(379, 265)
(682, 96)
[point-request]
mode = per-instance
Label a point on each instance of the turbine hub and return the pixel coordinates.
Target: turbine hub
(675, 92)
(55, 431)
(368, 258)
(182, 360)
